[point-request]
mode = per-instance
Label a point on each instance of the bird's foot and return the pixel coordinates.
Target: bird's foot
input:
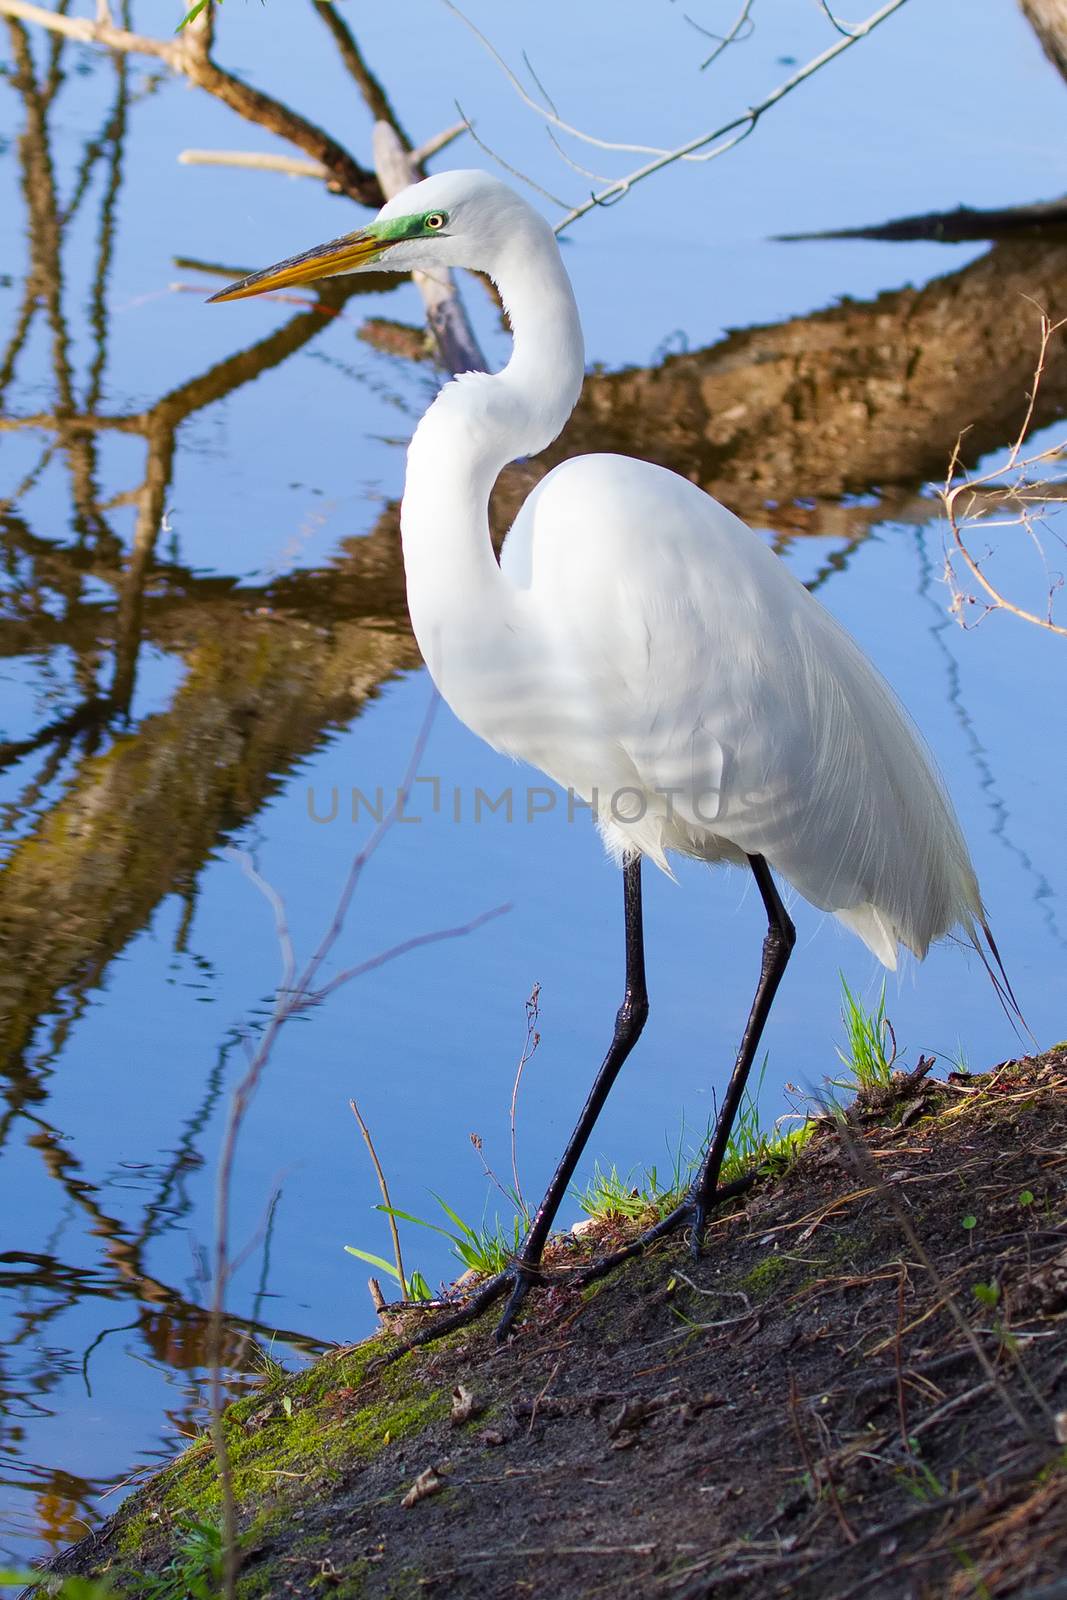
(514, 1282)
(691, 1212)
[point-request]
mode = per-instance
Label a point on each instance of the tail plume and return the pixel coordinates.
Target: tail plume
(998, 977)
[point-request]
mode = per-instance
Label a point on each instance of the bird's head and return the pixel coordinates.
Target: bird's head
(454, 219)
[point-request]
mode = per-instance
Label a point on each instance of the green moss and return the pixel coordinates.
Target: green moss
(135, 1532)
(310, 1427)
(765, 1275)
(349, 1584)
(407, 1584)
(259, 1581)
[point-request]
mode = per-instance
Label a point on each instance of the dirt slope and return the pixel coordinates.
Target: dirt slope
(859, 1391)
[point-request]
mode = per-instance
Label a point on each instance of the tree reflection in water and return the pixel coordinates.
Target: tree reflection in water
(827, 424)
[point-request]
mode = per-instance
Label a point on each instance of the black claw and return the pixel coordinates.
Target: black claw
(520, 1289)
(517, 1280)
(692, 1211)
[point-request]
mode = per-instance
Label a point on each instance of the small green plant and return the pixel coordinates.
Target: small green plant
(271, 1371)
(1027, 1197)
(958, 1061)
(751, 1148)
(195, 1573)
(969, 1222)
(483, 1250)
(644, 1196)
(919, 1481)
(872, 1047)
(413, 1287)
(988, 1297)
(609, 1195)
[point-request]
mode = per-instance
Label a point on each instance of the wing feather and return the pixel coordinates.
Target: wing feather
(701, 673)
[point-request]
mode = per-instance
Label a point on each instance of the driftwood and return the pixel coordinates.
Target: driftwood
(1048, 18)
(1045, 219)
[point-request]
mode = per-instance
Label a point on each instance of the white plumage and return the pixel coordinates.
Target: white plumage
(726, 708)
(640, 642)
(643, 647)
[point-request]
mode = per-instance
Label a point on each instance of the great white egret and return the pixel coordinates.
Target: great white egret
(639, 644)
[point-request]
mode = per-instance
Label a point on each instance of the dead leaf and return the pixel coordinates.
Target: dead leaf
(633, 1413)
(426, 1484)
(464, 1406)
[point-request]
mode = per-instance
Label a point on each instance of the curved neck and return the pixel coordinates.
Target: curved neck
(477, 424)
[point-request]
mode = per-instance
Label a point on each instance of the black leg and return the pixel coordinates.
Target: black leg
(706, 1191)
(516, 1280)
(629, 1021)
(778, 942)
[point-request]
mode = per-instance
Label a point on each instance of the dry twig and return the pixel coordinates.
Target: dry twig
(1010, 488)
(695, 149)
(384, 1187)
(190, 54)
(530, 1044)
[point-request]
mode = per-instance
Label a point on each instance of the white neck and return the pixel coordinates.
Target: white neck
(478, 424)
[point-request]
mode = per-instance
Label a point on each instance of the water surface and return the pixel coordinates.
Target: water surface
(204, 638)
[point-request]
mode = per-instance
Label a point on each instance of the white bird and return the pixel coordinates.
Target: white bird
(644, 648)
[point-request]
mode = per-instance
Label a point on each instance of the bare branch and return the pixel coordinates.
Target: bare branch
(439, 141)
(847, 28)
(1007, 486)
(256, 160)
(733, 34)
(384, 957)
(374, 96)
(444, 309)
(293, 167)
(695, 150)
(547, 112)
(741, 126)
(190, 55)
(277, 905)
(494, 155)
(99, 32)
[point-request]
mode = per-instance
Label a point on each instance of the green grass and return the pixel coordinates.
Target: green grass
(751, 1147)
(871, 1048)
(485, 1249)
(642, 1195)
(195, 1571)
(609, 1194)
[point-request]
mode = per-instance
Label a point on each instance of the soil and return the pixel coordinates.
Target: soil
(858, 1391)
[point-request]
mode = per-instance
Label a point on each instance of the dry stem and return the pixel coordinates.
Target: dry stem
(384, 1187)
(694, 149)
(189, 54)
(1008, 486)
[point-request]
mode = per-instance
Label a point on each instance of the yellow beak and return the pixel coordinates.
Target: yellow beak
(346, 254)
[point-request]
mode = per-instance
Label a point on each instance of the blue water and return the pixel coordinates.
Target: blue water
(116, 1109)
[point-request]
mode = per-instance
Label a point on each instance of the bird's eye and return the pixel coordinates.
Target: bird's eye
(435, 221)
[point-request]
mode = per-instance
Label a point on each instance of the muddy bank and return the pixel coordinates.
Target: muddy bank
(860, 1390)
